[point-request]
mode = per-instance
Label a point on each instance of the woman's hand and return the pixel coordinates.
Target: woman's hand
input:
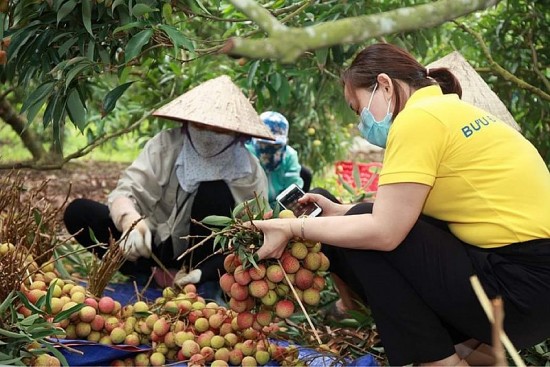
(277, 233)
(330, 208)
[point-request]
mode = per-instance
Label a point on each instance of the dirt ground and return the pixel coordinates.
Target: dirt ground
(86, 179)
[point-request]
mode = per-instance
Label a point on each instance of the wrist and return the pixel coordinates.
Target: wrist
(293, 226)
(128, 218)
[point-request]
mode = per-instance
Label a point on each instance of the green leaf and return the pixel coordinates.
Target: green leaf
(28, 321)
(68, 312)
(321, 57)
(136, 43)
(252, 73)
(76, 70)
(28, 304)
(177, 38)
(76, 110)
(356, 176)
(141, 9)
(62, 50)
(11, 334)
(109, 102)
(117, 3)
(56, 353)
(284, 91)
(39, 94)
(167, 13)
(216, 220)
(49, 295)
(275, 81)
(87, 15)
(125, 27)
(7, 302)
(65, 10)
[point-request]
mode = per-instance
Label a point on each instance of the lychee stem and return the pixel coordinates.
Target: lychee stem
(300, 303)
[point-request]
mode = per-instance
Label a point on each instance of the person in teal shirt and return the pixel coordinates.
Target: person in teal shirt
(278, 159)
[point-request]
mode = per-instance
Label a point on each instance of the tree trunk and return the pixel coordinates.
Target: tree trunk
(28, 137)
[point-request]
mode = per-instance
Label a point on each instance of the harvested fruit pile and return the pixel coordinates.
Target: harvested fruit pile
(179, 326)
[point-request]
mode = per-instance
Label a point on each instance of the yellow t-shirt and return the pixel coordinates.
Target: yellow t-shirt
(488, 182)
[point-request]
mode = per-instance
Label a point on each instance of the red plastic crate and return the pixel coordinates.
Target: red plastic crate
(344, 169)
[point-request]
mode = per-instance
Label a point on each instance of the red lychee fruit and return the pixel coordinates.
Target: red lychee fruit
(284, 308)
(87, 314)
(325, 263)
(118, 335)
(106, 305)
(226, 281)
(239, 292)
(161, 327)
(257, 273)
(311, 296)
(221, 354)
(298, 250)
(274, 273)
(264, 317)
(157, 359)
(238, 306)
(319, 282)
(258, 288)
(290, 264)
(245, 320)
(235, 357)
(231, 262)
(189, 348)
(242, 275)
(304, 279)
(312, 261)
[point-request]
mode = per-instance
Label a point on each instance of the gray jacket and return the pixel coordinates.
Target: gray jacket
(151, 183)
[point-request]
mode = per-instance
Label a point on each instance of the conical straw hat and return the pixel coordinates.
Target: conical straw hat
(218, 103)
(474, 88)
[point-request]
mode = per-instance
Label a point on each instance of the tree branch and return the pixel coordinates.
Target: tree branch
(100, 140)
(535, 58)
(287, 44)
(260, 15)
(495, 67)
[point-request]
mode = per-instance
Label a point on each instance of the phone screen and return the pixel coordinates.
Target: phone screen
(290, 202)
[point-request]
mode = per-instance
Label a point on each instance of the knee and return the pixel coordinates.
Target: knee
(72, 213)
(325, 193)
(361, 208)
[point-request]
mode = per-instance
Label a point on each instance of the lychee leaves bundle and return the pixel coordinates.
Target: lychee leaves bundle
(235, 236)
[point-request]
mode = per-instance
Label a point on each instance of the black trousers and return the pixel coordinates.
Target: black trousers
(212, 198)
(421, 297)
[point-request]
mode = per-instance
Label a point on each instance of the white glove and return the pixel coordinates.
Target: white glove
(138, 242)
(182, 277)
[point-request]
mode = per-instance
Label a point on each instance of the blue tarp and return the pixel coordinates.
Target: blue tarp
(95, 354)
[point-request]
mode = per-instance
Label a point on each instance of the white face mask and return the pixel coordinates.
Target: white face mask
(208, 143)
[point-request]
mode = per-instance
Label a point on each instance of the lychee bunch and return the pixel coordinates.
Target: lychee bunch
(262, 291)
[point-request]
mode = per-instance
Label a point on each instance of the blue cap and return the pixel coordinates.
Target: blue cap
(278, 124)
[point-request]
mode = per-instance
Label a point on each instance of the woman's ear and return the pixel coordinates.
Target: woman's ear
(385, 84)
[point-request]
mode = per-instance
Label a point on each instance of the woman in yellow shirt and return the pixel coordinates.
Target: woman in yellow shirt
(460, 193)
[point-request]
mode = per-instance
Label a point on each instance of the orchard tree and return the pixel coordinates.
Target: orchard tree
(78, 59)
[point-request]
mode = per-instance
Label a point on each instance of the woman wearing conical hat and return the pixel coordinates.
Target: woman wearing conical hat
(199, 169)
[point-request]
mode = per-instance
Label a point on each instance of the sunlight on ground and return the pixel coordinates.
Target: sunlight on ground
(123, 149)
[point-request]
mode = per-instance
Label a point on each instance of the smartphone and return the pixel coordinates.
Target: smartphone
(288, 199)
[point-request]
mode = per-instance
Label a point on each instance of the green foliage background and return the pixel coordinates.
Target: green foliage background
(103, 64)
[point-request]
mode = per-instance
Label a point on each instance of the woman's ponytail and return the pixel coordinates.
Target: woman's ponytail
(446, 80)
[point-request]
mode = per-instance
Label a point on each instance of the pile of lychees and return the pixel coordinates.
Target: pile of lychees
(179, 326)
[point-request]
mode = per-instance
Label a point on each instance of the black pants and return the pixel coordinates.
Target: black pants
(212, 198)
(421, 297)
(306, 175)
